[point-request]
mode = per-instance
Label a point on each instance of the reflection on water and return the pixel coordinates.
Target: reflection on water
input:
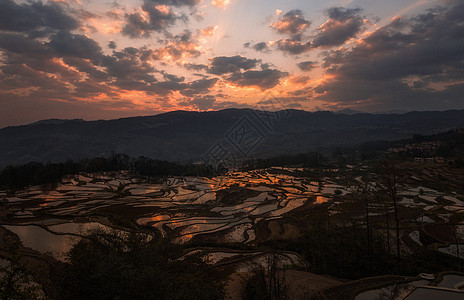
(291, 205)
(154, 219)
(453, 250)
(392, 291)
(186, 206)
(78, 228)
(43, 241)
(451, 280)
(321, 199)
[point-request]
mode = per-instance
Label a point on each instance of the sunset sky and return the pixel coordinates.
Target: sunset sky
(97, 59)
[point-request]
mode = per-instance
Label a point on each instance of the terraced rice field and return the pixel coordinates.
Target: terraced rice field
(184, 207)
(224, 209)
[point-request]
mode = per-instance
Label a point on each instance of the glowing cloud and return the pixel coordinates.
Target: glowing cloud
(292, 23)
(208, 31)
(220, 3)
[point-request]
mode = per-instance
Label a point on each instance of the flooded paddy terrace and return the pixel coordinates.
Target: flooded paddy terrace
(185, 208)
(221, 210)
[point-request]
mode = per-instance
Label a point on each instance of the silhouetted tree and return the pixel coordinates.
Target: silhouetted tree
(389, 179)
(134, 266)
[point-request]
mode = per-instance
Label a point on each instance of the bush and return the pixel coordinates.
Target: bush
(266, 282)
(132, 266)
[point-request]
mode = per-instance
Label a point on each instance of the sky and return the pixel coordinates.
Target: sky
(106, 59)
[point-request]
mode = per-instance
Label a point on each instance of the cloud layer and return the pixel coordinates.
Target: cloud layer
(415, 62)
(162, 55)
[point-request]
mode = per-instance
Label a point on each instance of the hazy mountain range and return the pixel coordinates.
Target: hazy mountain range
(194, 136)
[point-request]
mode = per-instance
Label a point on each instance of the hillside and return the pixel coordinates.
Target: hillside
(188, 136)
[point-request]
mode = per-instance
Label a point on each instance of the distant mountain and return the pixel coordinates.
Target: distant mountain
(192, 136)
(390, 112)
(54, 121)
(348, 111)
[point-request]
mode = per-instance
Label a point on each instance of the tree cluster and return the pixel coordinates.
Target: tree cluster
(135, 266)
(36, 173)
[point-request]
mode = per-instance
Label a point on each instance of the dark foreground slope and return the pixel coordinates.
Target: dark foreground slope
(187, 136)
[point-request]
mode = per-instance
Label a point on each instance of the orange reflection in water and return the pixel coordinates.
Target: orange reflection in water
(159, 218)
(321, 199)
(45, 204)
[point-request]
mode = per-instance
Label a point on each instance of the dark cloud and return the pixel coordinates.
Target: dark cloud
(61, 44)
(77, 45)
(411, 62)
(306, 65)
(16, 43)
(201, 86)
(293, 46)
(343, 14)
(195, 67)
(177, 47)
(264, 79)
(300, 80)
(421, 46)
(175, 2)
(203, 102)
(14, 76)
(72, 65)
(34, 17)
(292, 23)
(240, 71)
(261, 47)
(342, 25)
(159, 18)
(167, 87)
(129, 70)
(112, 45)
(173, 83)
(209, 102)
(86, 66)
(34, 67)
(89, 88)
(172, 77)
(281, 103)
(137, 26)
(64, 65)
(229, 64)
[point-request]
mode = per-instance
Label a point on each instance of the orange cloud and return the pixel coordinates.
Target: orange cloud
(298, 80)
(208, 31)
(164, 9)
(108, 27)
(220, 3)
(292, 23)
(177, 51)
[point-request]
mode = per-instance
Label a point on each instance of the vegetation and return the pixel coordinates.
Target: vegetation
(362, 232)
(307, 160)
(16, 281)
(34, 173)
(133, 266)
(266, 282)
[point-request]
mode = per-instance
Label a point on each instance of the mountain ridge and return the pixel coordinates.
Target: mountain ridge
(187, 136)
